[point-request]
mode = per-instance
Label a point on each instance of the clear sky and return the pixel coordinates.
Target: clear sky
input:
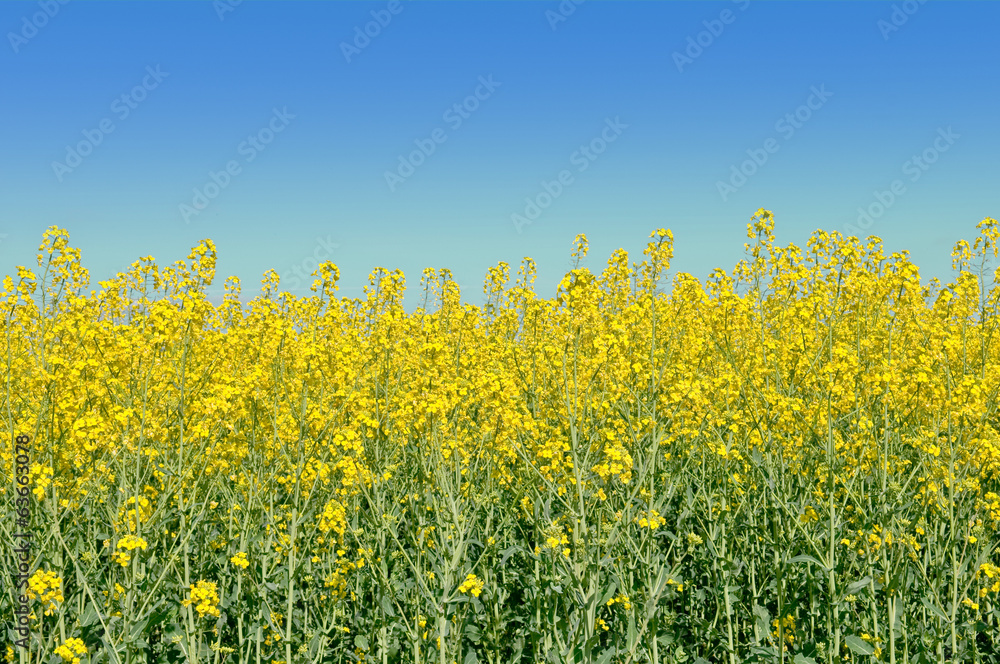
(413, 145)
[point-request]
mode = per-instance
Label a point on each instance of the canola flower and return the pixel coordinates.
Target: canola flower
(787, 628)
(46, 587)
(205, 598)
(126, 545)
(651, 520)
(472, 585)
(72, 650)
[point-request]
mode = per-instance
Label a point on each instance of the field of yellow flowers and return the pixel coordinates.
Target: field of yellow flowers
(797, 461)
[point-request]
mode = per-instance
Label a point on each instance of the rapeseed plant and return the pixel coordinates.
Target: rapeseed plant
(795, 460)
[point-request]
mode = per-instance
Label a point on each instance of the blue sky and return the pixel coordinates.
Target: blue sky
(119, 121)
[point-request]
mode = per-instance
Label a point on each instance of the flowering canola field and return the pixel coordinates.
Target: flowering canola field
(797, 461)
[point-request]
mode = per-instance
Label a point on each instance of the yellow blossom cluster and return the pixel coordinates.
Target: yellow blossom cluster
(127, 544)
(46, 587)
(472, 584)
(205, 597)
(72, 650)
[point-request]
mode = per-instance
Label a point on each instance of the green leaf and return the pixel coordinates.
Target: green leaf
(361, 642)
(518, 649)
(896, 580)
(934, 609)
(802, 659)
(767, 653)
(804, 558)
(633, 633)
(763, 617)
(89, 616)
(659, 584)
(859, 646)
(605, 656)
(858, 585)
(314, 644)
(507, 553)
(611, 592)
(136, 630)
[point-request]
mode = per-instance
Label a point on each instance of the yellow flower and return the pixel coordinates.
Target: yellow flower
(809, 515)
(46, 587)
(205, 598)
(131, 542)
(472, 584)
(653, 520)
(787, 628)
(240, 560)
(621, 599)
(72, 650)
